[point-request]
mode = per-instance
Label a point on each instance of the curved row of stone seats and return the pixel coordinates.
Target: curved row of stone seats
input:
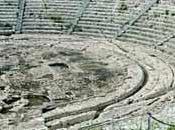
(169, 2)
(105, 18)
(100, 18)
(8, 16)
(152, 27)
(49, 16)
(171, 43)
(162, 8)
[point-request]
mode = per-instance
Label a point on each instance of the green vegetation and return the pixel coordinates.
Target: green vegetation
(167, 12)
(79, 29)
(100, 128)
(45, 4)
(154, 126)
(56, 18)
(173, 14)
(70, 53)
(96, 128)
(5, 25)
(156, 15)
(171, 128)
(5, 68)
(35, 100)
(123, 6)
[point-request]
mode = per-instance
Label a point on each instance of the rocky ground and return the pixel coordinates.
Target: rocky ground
(59, 81)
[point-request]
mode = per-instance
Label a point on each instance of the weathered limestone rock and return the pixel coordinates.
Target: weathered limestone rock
(59, 86)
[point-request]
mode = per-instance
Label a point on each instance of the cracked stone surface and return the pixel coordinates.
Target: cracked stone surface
(50, 82)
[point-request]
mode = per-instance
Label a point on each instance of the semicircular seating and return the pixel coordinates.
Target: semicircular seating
(140, 34)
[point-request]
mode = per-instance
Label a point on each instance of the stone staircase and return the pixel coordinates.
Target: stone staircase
(106, 17)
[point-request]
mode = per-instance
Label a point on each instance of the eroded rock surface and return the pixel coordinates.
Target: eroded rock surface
(40, 77)
(59, 81)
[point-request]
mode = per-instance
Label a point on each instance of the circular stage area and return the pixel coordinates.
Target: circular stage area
(58, 81)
